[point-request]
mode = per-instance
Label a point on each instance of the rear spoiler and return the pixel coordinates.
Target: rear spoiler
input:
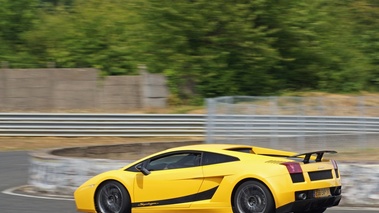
(308, 155)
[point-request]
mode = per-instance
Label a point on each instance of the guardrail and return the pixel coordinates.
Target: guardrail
(73, 124)
(57, 124)
(279, 125)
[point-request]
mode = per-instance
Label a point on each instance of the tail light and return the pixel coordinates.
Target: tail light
(295, 171)
(293, 167)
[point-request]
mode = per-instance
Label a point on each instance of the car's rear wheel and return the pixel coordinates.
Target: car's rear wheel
(112, 197)
(253, 197)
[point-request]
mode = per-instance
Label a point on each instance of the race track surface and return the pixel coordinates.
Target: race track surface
(14, 172)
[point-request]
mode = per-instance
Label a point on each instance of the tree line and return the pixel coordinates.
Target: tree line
(205, 48)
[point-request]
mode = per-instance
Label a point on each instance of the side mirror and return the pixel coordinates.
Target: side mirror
(142, 169)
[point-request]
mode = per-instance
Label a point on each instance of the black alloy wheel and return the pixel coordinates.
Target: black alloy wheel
(112, 197)
(253, 197)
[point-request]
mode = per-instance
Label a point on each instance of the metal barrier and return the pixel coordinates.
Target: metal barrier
(72, 124)
(245, 125)
(295, 122)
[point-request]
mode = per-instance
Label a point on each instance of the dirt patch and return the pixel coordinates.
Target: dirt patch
(364, 155)
(35, 143)
(133, 151)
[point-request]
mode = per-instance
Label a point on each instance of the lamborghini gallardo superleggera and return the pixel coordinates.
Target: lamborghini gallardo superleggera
(216, 178)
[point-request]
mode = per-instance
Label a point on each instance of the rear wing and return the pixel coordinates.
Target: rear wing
(319, 155)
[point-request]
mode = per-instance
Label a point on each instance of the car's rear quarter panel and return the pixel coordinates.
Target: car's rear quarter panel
(274, 175)
(229, 175)
(283, 188)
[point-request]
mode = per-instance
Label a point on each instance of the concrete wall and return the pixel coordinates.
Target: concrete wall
(2, 88)
(61, 176)
(360, 184)
(74, 88)
(120, 92)
(154, 91)
(25, 89)
(78, 89)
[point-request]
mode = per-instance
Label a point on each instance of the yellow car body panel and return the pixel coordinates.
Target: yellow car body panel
(210, 187)
(168, 184)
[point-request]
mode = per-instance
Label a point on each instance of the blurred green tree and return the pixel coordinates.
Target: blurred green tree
(365, 15)
(209, 48)
(16, 18)
(205, 48)
(318, 47)
(90, 33)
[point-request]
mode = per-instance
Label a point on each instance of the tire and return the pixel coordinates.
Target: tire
(112, 197)
(253, 197)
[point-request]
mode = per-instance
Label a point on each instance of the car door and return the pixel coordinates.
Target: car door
(174, 181)
(215, 167)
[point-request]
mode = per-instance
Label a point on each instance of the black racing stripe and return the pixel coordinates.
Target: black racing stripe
(205, 195)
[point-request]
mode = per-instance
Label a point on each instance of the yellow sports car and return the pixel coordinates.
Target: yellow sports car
(216, 178)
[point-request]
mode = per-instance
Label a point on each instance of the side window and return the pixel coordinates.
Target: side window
(174, 161)
(214, 158)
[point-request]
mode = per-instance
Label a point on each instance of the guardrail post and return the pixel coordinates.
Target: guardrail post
(362, 121)
(301, 121)
(273, 120)
(210, 119)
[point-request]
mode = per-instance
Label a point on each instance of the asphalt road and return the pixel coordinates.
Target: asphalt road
(14, 172)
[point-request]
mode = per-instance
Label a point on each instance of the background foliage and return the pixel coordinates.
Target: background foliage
(205, 48)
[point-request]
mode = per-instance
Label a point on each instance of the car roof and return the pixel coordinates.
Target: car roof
(210, 147)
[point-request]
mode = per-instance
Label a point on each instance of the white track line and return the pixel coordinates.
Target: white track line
(355, 209)
(11, 192)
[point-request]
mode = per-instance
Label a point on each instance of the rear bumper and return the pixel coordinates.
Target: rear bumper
(309, 204)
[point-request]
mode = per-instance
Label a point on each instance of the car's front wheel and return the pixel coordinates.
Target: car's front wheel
(253, 197)
(112, 197)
